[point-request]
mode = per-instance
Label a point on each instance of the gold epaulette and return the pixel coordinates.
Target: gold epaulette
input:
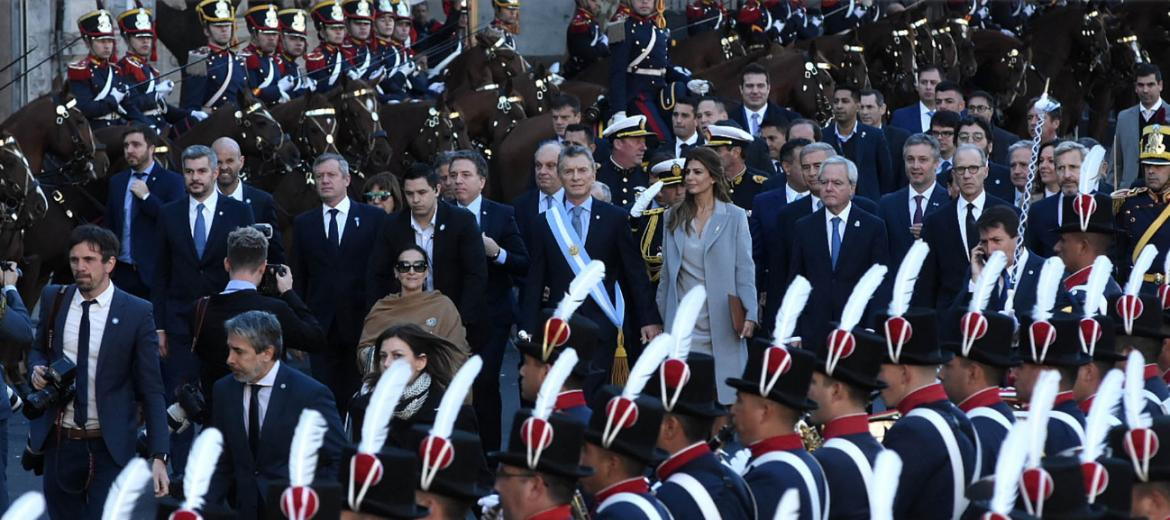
(760, 179)
(1120, 196)
(655, 211)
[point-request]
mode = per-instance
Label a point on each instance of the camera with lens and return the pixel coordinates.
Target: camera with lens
(60, 380)
(268, 282)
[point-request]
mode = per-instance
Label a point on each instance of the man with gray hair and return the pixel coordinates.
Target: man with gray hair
(904, 210)
(531, 205)
(1045, 216)
(229, 184)
(261, 403)
(192, 245)
(834, 247)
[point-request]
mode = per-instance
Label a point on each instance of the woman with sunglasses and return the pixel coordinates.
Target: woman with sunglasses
(383, 191)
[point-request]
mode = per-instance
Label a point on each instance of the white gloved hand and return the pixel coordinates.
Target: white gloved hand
(738, 462)
(354, 74)
(378, 74)
(118, 95)
(604, 39)
(407, 67)
(198, 115)
(309, 83)
(699, 86)
(164, 87)
(286, 84)
(437, 87)
(682, 70)
(488, 503)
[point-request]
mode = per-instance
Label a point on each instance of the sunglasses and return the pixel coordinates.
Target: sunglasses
(377, 196)
(405, 267)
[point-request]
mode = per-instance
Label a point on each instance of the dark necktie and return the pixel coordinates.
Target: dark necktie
(972, 233)
(835, 244)
(682, 149)
(254, 419)
(918, 209)
(81, 397)
(333, 233)
(131, 212)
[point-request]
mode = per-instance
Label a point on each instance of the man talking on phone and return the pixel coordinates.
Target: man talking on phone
(998, 228)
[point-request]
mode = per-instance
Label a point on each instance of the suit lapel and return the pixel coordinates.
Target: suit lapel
(592, 227)
(714, 225)
(59, 326)
(276, 404)
(112, 321)
(902, 215)
(850, 233)
(217, 229)
(353, 221)
(938, 198)
(821, 239)
(238, 426)
(183, 218)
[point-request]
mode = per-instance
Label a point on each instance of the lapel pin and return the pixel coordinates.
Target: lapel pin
(114, 321)
(856, 223)
(357, 222)
(282, 386)
(442, 227)
(249, 201)
(221, 213)
(1029, 271)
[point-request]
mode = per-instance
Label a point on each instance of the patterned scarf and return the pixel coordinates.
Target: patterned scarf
(414, 397)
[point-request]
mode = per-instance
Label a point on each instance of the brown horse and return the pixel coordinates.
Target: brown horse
(706, 49)
(22, 203)
(361, 137)
(512, 164)
(421, 130)
(110, 138)
(246, 120)
(845, 55)
(808, 92)
(1001, 64)
(57, 139)
(488, 116)
(890, 55)
(1114, 92)
(960, 32)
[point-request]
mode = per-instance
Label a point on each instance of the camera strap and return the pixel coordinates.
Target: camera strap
(200, 313)
(49, 327)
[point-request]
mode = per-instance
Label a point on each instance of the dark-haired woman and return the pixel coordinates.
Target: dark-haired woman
(383, 191)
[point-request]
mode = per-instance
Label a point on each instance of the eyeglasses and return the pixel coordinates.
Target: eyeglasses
(376, 196)
(405, 267)
(978, 108)
(942, 133)
(967, 170)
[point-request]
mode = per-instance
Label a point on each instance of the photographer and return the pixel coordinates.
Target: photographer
(88, 435)
(15, 330)
(250, 288)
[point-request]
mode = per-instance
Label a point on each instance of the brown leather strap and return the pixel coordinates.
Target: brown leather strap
(200, 313)
(57, 299)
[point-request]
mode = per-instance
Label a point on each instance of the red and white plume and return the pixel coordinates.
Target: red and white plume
(365, 469)
(1095, 303)
(1084, 205)
(536, 432)
(1047, 286)
(1008, 466)
(29, 505)
(1130, 306)
(887, 472)
(791, 306)
(300, 501)
(1097, 425)
(437, 451)
(674, 373)
(622, 411)
(556, 329)
(906, 277)
(841, 342)
(1140, 442)
(1036, 483)
(973, 325)
(205, 452)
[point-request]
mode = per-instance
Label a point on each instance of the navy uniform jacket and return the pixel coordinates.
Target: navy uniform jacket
(610, 505)
(867, 149)
(992, 418)
(846, 484)
(333, 281)
(250, 474)
(498, 222)
(585, 41)
(1155, 391)
(264, 211)
(165, 186)
(1138, 211)
(202, 80)
(264, 73)
(894, 209)
(728, 492)
(622, 183)
(769, 480)
(705, 15)
(183, 277)
(927, 486)
(947, 269)
(626, 85)
(289, 67)
(1075, 285)
(326, 66)
(128, 384)
(863, 244)
(743, 189)
(1062, 435)
(91, 81)
(509, 38)
(396, 85)
(141, 78)
(358, 56)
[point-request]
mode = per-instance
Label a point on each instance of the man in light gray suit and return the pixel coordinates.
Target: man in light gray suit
(1150, 110)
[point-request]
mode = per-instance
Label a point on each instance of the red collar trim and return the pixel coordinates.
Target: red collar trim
(1087, 403)
(846, 425)
(1166, 377)
(1152, 371)
(584, 12)
(671, 465)
(1080, 277)
(1063, 397)
(927, 394)
(556, 513)
(983, 398)
(637, 485)
(569, 399)
(790, 442)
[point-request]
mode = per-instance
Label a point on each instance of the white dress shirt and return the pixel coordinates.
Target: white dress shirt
(1148, 113)
(925, 200)
(543, 201)
(476, 208)
(586, 214)
(925, 114)
(961, 203)
(208, 212)
(342, 215)
(425, 238)
(678, 144)
(266, 383)
(844, 214)
(98, 312)
(844, 138)
(754, 126)
(815, 201)
(238, 194)
(791, 195)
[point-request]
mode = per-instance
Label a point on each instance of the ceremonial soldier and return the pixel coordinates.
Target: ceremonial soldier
(771, 396)
(541, 350)
(1102, 345)
(1084, 238)
(326, 63)
(1149, 467)
(265, 70)
(1140, 326)
(95, 81)
(784, 22)
(214, 73)
(148, 92)
(646, 215)
(622, 440)
(507, 20)
(401, 80)
(439, 41)
(357, 47)
(587, 42)
(623, 171)
(706, 15)
(1142, 212)
(293, 44)
(743, 181)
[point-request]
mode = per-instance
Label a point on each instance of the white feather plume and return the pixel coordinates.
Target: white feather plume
(985, 284)
(1047, 286)
(1008, 467)
(205, 452)
(1097, 422)
(387, 392)
(579, 289)
(1043, 397)
(1166, 268)
(1132, 398)
(790, 308)
(789, 506)
(306, 442)
(647, 365)
(1141, 266)
(685, 317)
(906, 277)
(546, 397)
(887, 472)
(453, 397)
(1099, 276)
(1090, 170)
(29, 506)
(128, 488)
(854, 308)
(644, 199)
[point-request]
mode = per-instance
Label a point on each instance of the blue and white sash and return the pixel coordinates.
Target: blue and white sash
(573, 249)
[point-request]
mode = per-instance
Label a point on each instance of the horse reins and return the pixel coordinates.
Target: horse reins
(245, 123)
(302, 138)
(81, 162)
(355, 137)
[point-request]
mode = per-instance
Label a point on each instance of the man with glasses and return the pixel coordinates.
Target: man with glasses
(977, 132)
(944, 126)
(981, 105)
(952, 232)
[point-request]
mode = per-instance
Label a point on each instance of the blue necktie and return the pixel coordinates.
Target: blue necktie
(129, 213)
(200, 230)
(81, 397)
(333, 232)
(576, 221)
(835, 248)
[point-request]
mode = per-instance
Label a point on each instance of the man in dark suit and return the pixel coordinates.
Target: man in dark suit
(263, 207)
(916, 118)
(1046, 215)
(531, 204)
(862, 144)
(834, 247)
(261, 403)
(507, 259)
(331, 251)
(601, 231)
(132, 209)
(998, 228)
(872, 111)
(951, 232)
(981, 105)
(763, 221)
(999, 177)
(904, 210)
(245, 263)
(755, 85)
(89, 435)
(684, 121)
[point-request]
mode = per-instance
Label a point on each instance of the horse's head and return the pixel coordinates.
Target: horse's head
(442, 130)
(260, 134)
(926, 47)
(72, 145)
(316, 133)
(892, 61)
(1093, 42)
(816, 89)
(362, 136)
(853, 69)
(21, 200)
(947, 52)
(960, 32)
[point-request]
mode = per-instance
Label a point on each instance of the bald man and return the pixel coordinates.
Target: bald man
(263, 207)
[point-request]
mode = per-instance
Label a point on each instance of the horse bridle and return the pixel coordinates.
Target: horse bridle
(437, 125)
(815, 71)
(302, 140)
(79, 168)
(892, 78)
(1098, 55)
(354, 136)
(1010, 60)
(13, 197)
(860, 65)
(268, 149)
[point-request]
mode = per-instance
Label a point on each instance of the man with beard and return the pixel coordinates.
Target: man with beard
(132, 209)
(228, 182)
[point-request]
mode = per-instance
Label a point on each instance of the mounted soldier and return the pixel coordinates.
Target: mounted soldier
(214, 73)
(326, 63)
(294, 40)
(706, 15)
(507, 20)
(358, 47)
(401, 80)
(586, 40)
(95, 80)
(147, 91)
(263, 61)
